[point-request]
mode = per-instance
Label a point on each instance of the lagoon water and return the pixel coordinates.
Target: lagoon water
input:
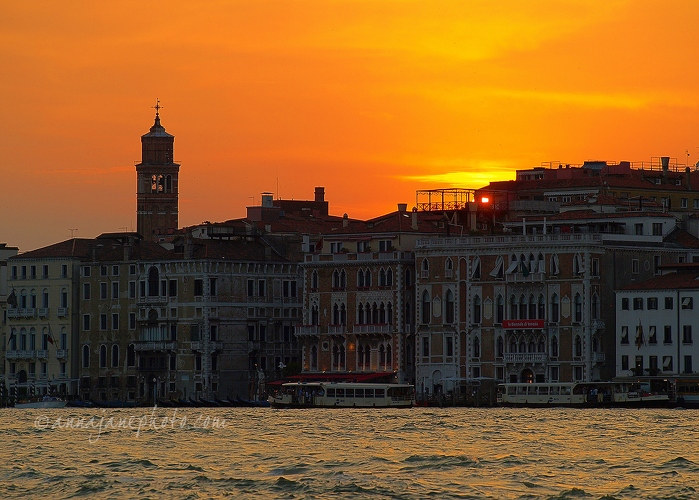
(323, 453)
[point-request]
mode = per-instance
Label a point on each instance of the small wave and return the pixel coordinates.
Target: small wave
(573, 493)
(681, 461)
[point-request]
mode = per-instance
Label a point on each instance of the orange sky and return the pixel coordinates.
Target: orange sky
(371, 99)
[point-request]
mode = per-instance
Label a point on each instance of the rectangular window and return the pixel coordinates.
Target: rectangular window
(667, 363)
(687, 364)
(684, 202)
(624, 362)
(652, 335)
(450, 347)
(667, 334)
(64, 270)
(132, 321)
(14, 272)
(103, 321)
(115, 321)
(578, 372)
(163, 288)
(198, 287)
(554, 374)
(251, 333)
(625, 335)
(115, 289)
(595, 267)
(261, 288)
(251, 288)
(637, 304)
(695, 203)
(115, 270)
(86, 271)
(172, 292)
(652, 303)
(657, 229)
(687, 303)
(86, 322)
(23, 271)
(86, 291)
(625, 304)
(45, 271)
(103, 270)
(656, 264)
(32, 272)
(634, 266)
(143, 288)
(194, 333)
(686, 334)
(638, 229)
(425, 346)
(668, 303)
(212, 286)
(103, 290)
(132, 289)
(132, 269)
(385, 246)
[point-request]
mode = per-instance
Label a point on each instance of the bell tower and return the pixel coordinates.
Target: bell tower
(157, 198)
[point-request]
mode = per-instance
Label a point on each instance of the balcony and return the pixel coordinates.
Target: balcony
(597, 357)
(61, 353)
(20, 354)
(200, 346)
(28, 313)
(62, 312)
(597, 324)
(518, 277)
(372, 329)
(13, 313)
(152, 301)
(337, 329)
(156, 346)
(42, 354)
(308, 330)
(43, 312)
(522, 357)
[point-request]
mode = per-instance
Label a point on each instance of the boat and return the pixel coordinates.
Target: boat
(343, 395)
(580, 395)
(45, 402)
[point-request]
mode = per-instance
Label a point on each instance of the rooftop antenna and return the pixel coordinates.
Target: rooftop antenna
(72, 231)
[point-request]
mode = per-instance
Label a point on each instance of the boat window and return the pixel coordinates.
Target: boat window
(349, 393)
(511, 391)
(543, 390)
(331, 393)
(565, 391)
(555, 390)
(359, 393)
(379, 393)
(522, 389)
(340, 393)
(368, 393)
(532, 390)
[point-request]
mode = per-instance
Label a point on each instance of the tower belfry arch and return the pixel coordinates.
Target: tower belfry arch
(157, 210)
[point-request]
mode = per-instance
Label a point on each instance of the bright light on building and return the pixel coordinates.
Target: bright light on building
(485, 199)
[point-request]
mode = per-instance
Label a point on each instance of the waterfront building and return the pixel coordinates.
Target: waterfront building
(535, 302)
(358, 300)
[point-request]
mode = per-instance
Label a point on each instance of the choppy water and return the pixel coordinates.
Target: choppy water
(407, 454)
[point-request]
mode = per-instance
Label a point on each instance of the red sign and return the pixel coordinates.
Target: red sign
(523, 323)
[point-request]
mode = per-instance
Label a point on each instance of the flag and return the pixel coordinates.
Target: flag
(319, 245)
(12, 299)
(49, 337)
(12, 335)
(524, 268)
(639, 335)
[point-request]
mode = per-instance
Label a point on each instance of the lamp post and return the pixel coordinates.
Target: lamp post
(155, 392)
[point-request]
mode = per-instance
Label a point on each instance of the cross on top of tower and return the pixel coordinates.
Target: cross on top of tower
(157, 107)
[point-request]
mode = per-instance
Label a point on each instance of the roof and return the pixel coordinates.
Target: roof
(672, 281)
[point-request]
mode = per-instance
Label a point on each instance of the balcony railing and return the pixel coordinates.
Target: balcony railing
(521, 357)
(28, 313)
(200, 346)
(597, 324)
(372, 329)
(62, 312)
(13, 313)
(597, 357)
(155, 346)
(20, 354)
(308, 330)
(337, 329)
(42, 354)
(43, 312)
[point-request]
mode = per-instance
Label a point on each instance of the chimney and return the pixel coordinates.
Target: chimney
(345, 221)
(267, 200)
(320, 194)
(414, 222)
(665, 162)
(402, 207)
(687, 182)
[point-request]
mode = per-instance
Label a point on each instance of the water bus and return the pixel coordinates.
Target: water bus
(343, 395)
(580, 395)
(45, 402)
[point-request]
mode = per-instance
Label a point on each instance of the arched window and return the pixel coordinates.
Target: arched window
(522, 307)
(578, 346)
(541, 313)
(32, 339)
(374, 314)
(382, 314)
(343, 314)
(513, 307)
(476, 347)
(477, 309)
(578, 308)
(314, 314)
(32, 299)
(513, 345)
(499, 309)
(367, 278)
(554, 309)
(542, 346)
(476, 269)
(425, 307)
(131, 355)
(86, 356)
(103, 356)
(595, 306)
(554, 347)
(336, 279)
(153, 282)
(532, 307)
(408, 314)
(449, 307)
(360, 278)
(314, 280)
(389, 277)
(500, 347)
(360, 314)
(343, 279)
(115, 356)
(425, 266)
(336, 315)
(408, 278)
(45, 298)
(314, 357)
(360, 356)
(522, 346)
(382, 357)
(389, 313)
(382, 277)
(389, 358)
